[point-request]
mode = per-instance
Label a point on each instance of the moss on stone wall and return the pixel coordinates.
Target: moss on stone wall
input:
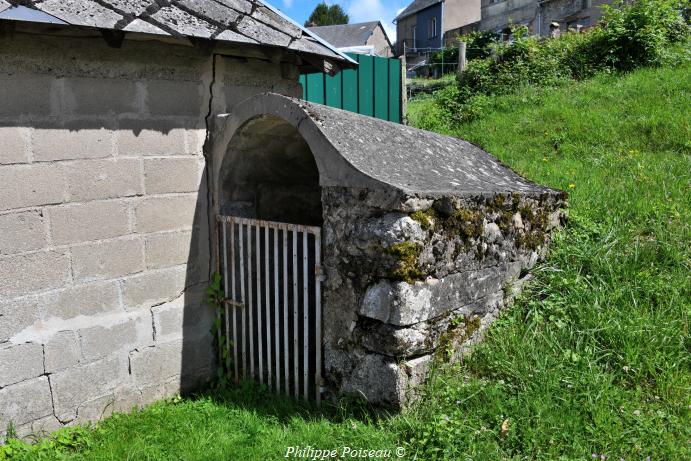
(407, 255)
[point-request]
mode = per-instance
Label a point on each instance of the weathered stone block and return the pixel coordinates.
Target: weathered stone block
(21, 232)
(155, 214)
(186, 317)
(23, 94)
(102, 179)
(153, 287)
(150, 138)
(99, 96)
(20, 362)
(62, 351)
(15, 316)
(100, 341)
(167, 249)
(175, 98)
(80, 384)
(40, 428)
(402, 304)
(27, 273)
(31, 185)
(88, 221)
(108, 259)
(88, 299)
(13, 145)
(25, 402)
(71, 142)
(166, 175)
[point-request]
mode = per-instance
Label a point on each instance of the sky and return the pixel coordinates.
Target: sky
(358, 10)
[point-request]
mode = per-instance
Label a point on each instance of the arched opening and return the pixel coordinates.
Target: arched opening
(269, 251)
(269, 173)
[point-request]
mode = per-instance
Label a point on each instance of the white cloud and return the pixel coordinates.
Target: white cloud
(287, 3)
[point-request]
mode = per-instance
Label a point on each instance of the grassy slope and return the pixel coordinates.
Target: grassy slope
(593, 359)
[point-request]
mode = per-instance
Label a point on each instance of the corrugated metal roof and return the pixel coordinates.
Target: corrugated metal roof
(250, 22)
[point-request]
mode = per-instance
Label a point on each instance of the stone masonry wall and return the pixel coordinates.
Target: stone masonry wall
(414, 279)
(104, 241)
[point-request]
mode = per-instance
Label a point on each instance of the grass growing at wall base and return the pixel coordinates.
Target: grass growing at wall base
(593, 359)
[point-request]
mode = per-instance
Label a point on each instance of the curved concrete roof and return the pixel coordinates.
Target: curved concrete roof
(247, 22)
(353, 150)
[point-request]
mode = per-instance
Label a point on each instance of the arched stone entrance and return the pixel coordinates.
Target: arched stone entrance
(425, 237)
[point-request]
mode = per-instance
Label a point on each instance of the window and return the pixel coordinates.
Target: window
(432, 28)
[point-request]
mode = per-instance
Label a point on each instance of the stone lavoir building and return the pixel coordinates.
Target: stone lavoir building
(141, 143)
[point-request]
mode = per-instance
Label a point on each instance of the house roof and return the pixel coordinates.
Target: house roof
(247, 22)
(415, 7)
(346, 35)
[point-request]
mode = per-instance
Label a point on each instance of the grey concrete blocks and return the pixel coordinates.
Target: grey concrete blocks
(166, 175)
(62, 351)
(83, 300)
(104, 179)
(108, 259)
(17, 315)
(153, 287)
(22, 232)
(27, 273)
(20, 362)
(74, 141)
(26, 402)
(79, 384)
(151, 137)
(174, 98)
(88, 221)
(98, 342)
(31, 185)
(97, 96)
(155, 214)
(167, 249)
(24, 94)
(13, 145)
(152, 365)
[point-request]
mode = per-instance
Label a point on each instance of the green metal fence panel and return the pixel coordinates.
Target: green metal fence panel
(350, 90)
(366, 85)
(334, 90)
(381, 88)
(373, 89)
(395, 89)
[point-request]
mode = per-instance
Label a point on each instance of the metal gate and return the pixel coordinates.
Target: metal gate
(272, 278)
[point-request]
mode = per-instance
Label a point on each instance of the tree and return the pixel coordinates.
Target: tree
(325, 15)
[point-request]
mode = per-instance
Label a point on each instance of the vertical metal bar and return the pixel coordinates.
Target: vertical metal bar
(217, 238)
(250, 306)
(260, 326)
(232, 291)
(225, 291)
(305, 318)
(267, 297)
(296, 303)
(318, 315)
(277, 340)
(243, 315)
(286, 349)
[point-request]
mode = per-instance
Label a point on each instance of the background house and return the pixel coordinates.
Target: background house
(431, 24)
(364, 38)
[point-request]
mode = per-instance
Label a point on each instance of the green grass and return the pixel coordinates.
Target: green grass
(594, 358)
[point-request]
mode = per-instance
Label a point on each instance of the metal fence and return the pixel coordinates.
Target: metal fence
(271, 275)
(375, 88)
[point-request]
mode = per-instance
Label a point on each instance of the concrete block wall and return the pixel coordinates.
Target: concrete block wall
(104, 235)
